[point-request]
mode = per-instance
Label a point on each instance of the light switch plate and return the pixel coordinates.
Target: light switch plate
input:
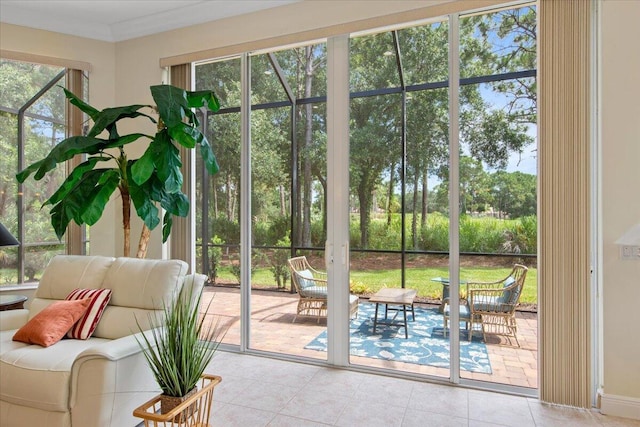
(630, 252)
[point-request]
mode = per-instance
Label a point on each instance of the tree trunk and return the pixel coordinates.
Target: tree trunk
(298, 213)
(215, 198)
(308, 134)
(323, 183)
(283, 204)
(390, 194)
(126, 219)
(4, 193)
(364, 197)
(143, 244)
(229, 199)
(425, 191)
(414, 209)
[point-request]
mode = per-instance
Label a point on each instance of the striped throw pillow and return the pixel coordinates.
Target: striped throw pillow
(85, 326)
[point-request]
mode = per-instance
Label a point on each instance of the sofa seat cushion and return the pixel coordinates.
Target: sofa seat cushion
(37, 376)
(7, 344)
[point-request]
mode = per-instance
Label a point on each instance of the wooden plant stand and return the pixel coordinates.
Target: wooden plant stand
(193, 412)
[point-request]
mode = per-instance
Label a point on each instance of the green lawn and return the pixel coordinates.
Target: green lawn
(416, 278)
(420, 279)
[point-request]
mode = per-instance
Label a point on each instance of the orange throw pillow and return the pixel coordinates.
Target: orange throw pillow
(52, 323)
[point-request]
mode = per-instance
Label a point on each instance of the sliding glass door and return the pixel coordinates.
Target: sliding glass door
(400, 163)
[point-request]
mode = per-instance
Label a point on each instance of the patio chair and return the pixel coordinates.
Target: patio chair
(311, 286)
(492, 305)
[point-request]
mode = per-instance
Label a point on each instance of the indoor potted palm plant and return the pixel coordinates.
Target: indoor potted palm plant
(178, 348)
(154, 180)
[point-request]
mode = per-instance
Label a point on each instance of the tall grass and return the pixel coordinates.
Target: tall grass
(482, 235)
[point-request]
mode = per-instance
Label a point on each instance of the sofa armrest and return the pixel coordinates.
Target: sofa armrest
(112, 374)
(13, 319)
(113, 350)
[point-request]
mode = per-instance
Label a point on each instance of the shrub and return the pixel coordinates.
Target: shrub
(229, 231)
(318, 234)
(278, 263)
(383, 236)
(215, 257)
(435, 235)
(359, 288)
(268, 233)
(480, 234)
(521, 237)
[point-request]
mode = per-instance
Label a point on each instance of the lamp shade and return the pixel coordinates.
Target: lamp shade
(6, 238)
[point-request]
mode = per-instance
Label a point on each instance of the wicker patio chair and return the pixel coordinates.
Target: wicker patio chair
(311, 286)
(493, 304)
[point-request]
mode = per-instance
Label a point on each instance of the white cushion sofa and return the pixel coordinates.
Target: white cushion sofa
(96, 382)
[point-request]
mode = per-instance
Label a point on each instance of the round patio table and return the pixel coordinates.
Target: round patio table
(445, 289)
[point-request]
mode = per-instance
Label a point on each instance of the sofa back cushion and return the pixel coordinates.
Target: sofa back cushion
(66, 273)
(140, 287)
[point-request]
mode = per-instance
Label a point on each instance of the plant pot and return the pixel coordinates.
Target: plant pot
(168, 403)
(194, 410)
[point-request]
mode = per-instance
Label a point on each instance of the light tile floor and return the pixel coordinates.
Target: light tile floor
(259, 391)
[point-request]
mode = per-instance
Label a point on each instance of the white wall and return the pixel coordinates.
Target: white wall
(620, 114)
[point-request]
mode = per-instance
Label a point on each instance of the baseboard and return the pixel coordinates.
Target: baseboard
(620, 406)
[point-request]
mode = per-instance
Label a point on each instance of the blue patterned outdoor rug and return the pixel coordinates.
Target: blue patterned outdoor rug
(426, 344)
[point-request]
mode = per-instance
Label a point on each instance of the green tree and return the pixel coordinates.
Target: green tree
(513, 193)
(425, 59)
(375, 140)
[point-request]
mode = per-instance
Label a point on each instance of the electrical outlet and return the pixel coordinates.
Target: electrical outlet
(630, 252)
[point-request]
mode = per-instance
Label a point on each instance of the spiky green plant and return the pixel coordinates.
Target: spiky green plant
(181, 344)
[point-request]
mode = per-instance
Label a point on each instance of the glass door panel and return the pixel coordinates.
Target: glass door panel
(217, 198)
(399, 151)
(498, 194)
(288, 173)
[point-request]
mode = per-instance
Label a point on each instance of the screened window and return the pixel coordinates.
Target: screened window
(32, 121)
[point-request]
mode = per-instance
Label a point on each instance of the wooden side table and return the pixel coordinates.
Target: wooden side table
(12, 302)
(398, 297)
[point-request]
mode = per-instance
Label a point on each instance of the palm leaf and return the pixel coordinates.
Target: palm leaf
(200, 98)
(107, 118)
(171, 103)
(143, 198)
(73, 205)
(72, 180)
(97, 199)
(83, 106)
